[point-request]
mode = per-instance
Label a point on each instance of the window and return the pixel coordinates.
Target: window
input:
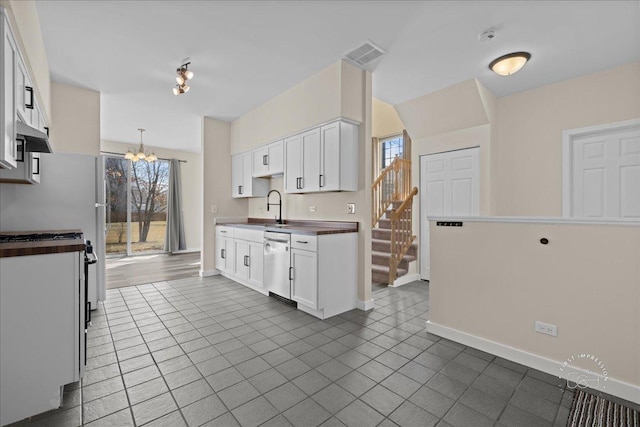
(391, 147)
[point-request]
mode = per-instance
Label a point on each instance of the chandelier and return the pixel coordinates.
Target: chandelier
(140, 154)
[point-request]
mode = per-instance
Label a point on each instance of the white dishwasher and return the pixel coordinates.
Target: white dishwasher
(277, 263)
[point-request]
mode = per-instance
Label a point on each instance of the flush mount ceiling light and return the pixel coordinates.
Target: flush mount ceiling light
(140, 154)
(184, 74)
(510, 63)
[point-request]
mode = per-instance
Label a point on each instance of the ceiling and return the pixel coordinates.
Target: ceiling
(244, 53)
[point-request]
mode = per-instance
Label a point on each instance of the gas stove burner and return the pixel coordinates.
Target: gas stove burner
(38, 237)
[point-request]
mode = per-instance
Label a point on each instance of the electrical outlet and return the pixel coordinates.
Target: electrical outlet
(546, 328)
(351, 208)
(312, 208)
(214, 208)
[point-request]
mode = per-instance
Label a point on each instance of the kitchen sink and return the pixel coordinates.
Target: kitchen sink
(276, 225)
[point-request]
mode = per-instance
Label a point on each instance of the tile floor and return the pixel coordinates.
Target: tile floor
(212, 352)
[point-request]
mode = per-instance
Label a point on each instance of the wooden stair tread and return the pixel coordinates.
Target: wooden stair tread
(388, 255)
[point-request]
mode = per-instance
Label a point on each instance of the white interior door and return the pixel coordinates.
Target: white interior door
(605, 174)
(449, 186)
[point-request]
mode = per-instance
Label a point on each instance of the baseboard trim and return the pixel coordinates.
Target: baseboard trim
(403, 280)
(610, 385)
(208, 273)
(365, 305)
(186, 251)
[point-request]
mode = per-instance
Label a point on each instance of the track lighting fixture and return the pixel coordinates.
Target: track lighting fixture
(140, 154)
(184, 74)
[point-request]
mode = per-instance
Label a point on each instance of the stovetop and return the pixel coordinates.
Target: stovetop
(38, 237)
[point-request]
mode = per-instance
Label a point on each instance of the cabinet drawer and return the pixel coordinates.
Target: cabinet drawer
(222, 230)
(304, 242)
(250, 235)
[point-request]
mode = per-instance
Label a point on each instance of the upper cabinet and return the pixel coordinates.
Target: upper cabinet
(268, 159)
(243, 184)
(9, 57)
(18, 103)
(322, 159)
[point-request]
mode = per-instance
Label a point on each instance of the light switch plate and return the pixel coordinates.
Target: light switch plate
(312, 208)
(351, 208)
(214, 208)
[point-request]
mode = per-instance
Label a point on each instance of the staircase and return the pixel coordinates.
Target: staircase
(381, 250)
(392, 235)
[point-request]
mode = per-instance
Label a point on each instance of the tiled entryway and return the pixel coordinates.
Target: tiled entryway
(212, 352)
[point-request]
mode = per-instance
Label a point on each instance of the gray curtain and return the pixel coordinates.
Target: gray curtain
(174, 240)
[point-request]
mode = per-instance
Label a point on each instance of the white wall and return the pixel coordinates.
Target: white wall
(75, 124)
(191, 174)
(527, 150)
(216, 191)
(493, 280)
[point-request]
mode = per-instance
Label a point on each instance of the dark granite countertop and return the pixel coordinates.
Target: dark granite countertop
(41, 247)
(313, 228)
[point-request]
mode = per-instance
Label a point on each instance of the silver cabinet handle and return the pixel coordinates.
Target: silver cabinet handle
(290, 273)
(223, 253)
(321, 183)
(239, 189)
(304, 242)
(265, 159)
(223, 231)
(246, 260)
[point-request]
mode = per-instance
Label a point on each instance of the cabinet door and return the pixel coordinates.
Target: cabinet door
(256, 252)
(293, 161)
(224, 254)
(247, 177)
(242, 259)
(311, 160)
(330, 157)
(304, 285)
(9, 52)
(260, 162)
(24, 93)
(34, 171)
(275, 157)
(237, 163)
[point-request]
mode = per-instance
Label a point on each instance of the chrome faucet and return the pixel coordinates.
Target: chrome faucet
(279, 204)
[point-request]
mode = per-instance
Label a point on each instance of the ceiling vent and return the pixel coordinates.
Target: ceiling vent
(365, 55)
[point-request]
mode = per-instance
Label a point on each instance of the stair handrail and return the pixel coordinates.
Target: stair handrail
(398, 176)
(401, 233)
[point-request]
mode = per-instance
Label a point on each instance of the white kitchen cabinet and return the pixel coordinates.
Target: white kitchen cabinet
(293, 164)
(27, 170)
(268, 159)
(304, 277)
(41, 331)
(302, 172)
(224, 249)
(242, 181)
(339, 157)
(322, 159)
(25, 105)
(8, 56)
(324, 273)
(242, 258)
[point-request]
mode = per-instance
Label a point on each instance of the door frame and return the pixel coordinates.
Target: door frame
(424, 242)
(567, 155)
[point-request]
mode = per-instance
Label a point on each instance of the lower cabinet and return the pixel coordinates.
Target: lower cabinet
(42, 331)
(239, 255)
(324, 273)
(224, 254)
(304, 277)
(323, 268)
